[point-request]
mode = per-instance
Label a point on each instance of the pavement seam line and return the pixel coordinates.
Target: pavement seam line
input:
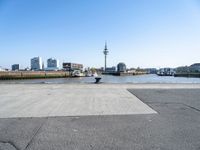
(35, 133)
(191, 107)
(142, 101)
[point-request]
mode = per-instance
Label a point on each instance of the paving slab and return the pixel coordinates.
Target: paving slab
(68, 100)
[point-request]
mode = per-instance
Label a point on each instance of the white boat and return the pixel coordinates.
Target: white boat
(77, 73)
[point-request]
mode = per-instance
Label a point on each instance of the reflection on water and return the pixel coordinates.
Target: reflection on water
(113, 79)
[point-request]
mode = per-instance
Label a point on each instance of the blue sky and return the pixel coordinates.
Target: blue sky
(141, 33)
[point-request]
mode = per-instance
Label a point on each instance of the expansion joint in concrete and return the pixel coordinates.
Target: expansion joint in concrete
(177, 103)
(35, 133)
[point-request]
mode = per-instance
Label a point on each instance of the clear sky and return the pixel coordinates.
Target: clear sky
(141, 33)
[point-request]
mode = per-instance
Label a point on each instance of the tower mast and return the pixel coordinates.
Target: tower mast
(105, 53)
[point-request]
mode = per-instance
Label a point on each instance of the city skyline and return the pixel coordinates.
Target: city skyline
(54, 63)
(139, 33)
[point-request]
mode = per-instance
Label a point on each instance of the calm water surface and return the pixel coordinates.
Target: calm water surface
(113, 79)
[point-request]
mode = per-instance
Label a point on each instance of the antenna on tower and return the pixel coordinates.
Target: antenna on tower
(105, 45)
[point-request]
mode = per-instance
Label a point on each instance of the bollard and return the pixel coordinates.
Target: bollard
(97, 79)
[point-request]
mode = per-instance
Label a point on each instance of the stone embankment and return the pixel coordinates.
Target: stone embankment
(32, 74)
(125, 73)
(197, 75)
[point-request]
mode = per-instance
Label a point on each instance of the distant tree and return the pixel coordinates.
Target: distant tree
(93, 70)
(182, 69)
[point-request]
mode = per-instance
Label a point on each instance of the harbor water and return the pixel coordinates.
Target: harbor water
(150, 78)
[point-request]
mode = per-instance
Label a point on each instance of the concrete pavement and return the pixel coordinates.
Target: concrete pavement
(175, 126)
(67, 100)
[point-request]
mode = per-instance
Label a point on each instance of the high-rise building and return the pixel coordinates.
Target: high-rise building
(36, 63)
(15, 67)
(52, 63)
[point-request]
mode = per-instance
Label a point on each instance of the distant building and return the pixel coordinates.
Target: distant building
(72, 66)
(131, 70)
(36, 63)
(105, 52)
(99, 70)
(151, 70)
(15, 67)
(166, 72)
(42, 65)
(1, 69)
(111, 69)
(52, 63)
(121, 67)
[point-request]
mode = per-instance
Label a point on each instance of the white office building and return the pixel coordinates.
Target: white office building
(36, 63)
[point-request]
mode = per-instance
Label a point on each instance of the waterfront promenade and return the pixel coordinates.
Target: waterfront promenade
(99, 116)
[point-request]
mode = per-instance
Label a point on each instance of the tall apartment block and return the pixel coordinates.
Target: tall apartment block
(52, 63)
(36, 63)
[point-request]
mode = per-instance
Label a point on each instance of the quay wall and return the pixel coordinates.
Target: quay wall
(128, 73)
(197, 75)
(9, 75)
(124, 73)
